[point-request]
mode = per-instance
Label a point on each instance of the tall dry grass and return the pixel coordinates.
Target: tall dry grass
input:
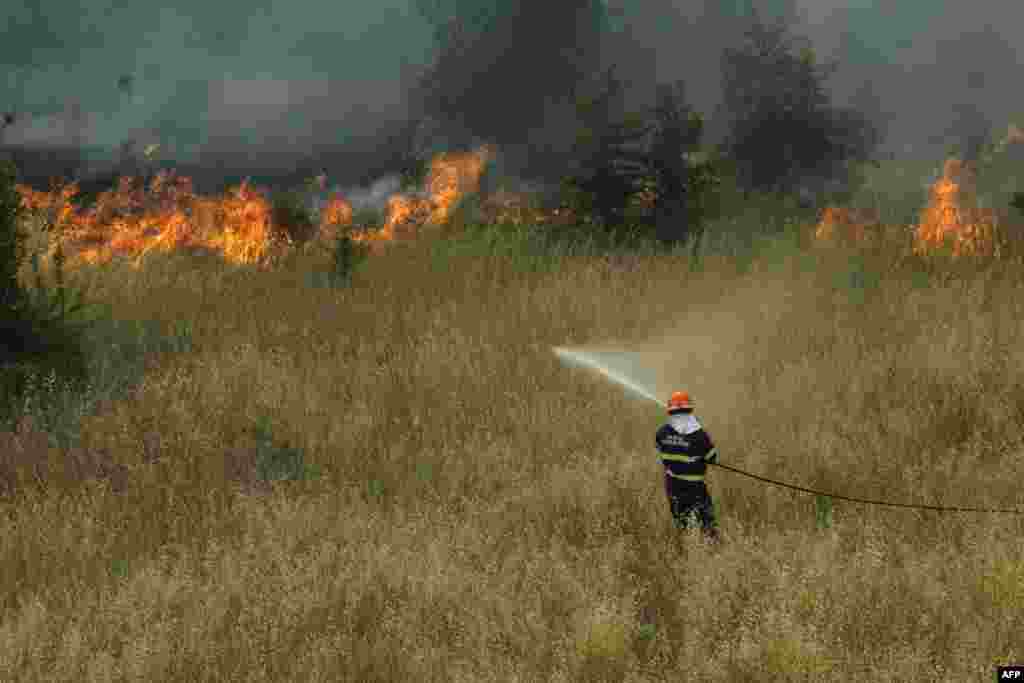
(483, 513)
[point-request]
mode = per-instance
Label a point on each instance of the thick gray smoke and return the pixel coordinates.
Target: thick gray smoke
(373, 197)
(286, 88)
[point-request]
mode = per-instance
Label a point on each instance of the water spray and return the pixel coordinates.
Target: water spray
(586, 360)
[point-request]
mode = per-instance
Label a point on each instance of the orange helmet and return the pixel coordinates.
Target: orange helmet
(680, 400)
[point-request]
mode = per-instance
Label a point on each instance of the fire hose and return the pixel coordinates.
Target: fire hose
(865, 500)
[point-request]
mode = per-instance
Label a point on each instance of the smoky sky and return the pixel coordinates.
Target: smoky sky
(273, 82)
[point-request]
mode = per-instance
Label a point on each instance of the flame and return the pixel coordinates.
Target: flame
(451, 177)
(847, 224)
(952, 215)
(56, 205)
(337, 211)
(406, 215)
(168, 215)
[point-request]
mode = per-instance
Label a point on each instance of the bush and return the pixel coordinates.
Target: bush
(38, 339)
(1017, 202)
(276, 461)
(291, 219)
(346, 258)
(367, 218)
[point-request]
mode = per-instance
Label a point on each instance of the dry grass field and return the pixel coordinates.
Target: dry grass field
(468, 509)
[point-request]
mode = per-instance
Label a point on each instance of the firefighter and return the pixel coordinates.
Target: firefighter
(685, 450)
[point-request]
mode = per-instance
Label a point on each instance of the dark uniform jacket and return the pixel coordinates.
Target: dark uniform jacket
(685, 456)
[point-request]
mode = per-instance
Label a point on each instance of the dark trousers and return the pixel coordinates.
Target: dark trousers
(690, 502)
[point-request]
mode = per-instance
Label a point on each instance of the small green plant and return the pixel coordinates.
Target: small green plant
(424, 471)
(919, 279)
(292, 220)
(1017, 202)
(823, 511)
(119, 568)
(858, 281)
(375, 488)
(647, 632)
(347, 255)
(279, 462)
(180, 340)
(367, 218)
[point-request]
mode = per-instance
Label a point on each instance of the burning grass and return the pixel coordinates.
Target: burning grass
(952, 215)
(848, 225)
(952, 219)
(134, 219)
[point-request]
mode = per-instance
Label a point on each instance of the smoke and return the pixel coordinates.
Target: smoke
(289, 87)
(372, 197)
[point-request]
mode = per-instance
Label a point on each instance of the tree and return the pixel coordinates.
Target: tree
(622, 155)
(782, 128)
(677, 132)
(609, 161)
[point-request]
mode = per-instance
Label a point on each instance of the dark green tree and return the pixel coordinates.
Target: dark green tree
(676, 135)
(621, 156)
(783, 129)
(609, 158)
(12, 242)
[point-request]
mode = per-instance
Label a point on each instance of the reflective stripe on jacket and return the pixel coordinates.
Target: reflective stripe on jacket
(685, 456)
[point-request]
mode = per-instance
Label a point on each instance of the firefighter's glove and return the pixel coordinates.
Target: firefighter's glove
(712, 458)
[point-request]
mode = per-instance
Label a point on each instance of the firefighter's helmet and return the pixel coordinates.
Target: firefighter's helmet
(680, 400)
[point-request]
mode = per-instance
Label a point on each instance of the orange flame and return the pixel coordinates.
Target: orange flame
(168, 215)
(450, 178)
(847, 224)
(951, 215)
(337, 211)
(406, 215)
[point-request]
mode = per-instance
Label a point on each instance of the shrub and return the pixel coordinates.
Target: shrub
(607, 165)
(1017, 202)
(279, 462)
(38, 338)
(291, 219)
(347, 255)
(367, 218)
